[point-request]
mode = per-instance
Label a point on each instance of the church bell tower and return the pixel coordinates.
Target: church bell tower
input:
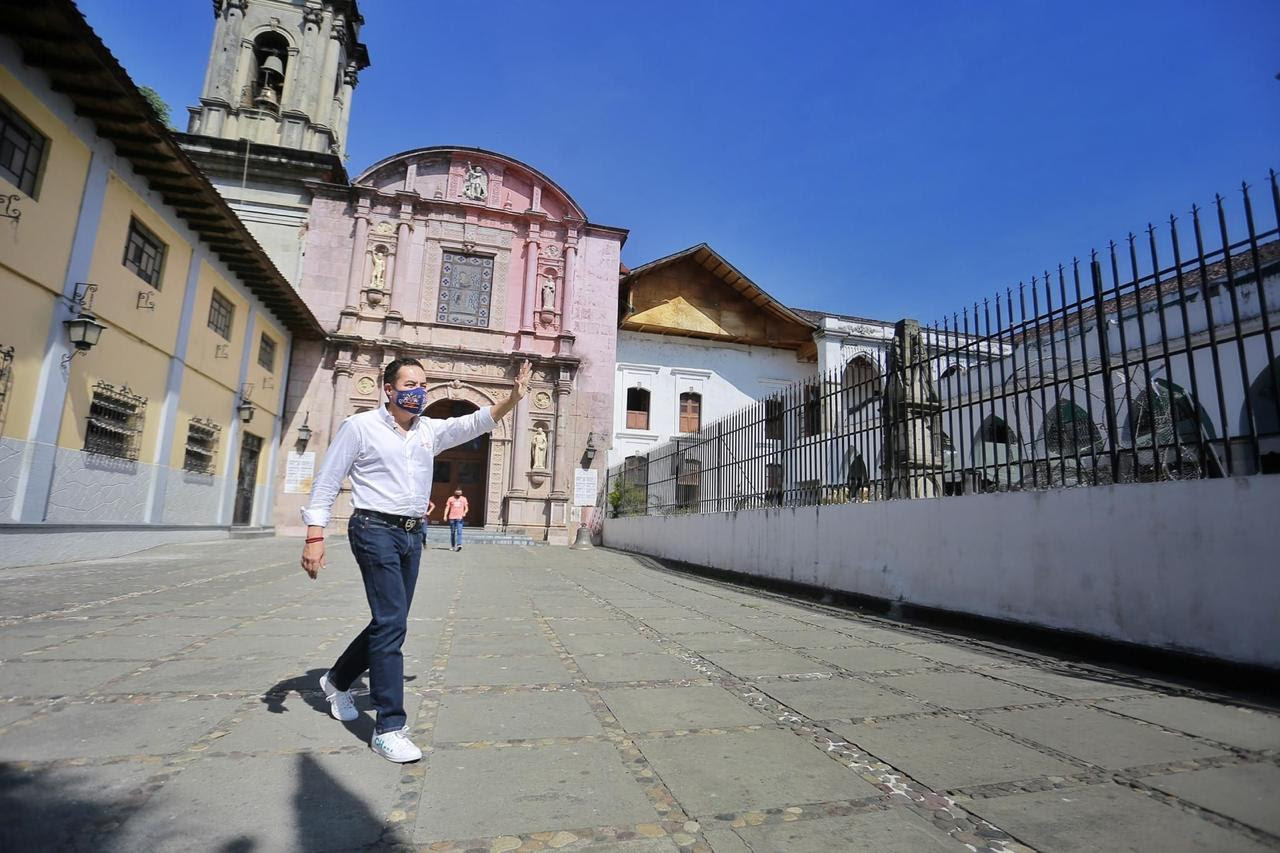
(274, 111)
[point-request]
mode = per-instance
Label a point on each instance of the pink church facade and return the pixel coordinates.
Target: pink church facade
(469, 261)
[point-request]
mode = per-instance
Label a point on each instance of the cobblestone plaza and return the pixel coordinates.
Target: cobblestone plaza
(581, 701)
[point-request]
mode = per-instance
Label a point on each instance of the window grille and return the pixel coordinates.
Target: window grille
(115, 422)
(6, 373)
(144, 253)
(267, 353)
(202, 444)
(221, 311)
(21, 150)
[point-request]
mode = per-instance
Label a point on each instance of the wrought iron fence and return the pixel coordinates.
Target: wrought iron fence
(1152, 360)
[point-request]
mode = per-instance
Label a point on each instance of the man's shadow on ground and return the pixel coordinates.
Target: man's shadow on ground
(307, 686)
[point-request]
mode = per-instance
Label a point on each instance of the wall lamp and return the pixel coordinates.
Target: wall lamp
(304, 433)
(245, 408)
(83, 330)
(589, 453)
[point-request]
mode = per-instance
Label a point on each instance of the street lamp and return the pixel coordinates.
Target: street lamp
(304, 433)
(590, 452)
(83, 330)
(246, 407)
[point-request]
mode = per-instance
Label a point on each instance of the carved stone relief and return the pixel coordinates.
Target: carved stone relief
(365, 385)
(542, 400)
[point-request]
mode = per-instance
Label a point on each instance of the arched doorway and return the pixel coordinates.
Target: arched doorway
(463, 467)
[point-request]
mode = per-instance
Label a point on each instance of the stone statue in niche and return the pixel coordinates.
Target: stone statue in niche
(476, 184)
(377, 278)
(548, 293)
(538, 448)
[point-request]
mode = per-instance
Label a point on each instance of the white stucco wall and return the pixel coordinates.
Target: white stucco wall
(728, 376)
(1186, 565)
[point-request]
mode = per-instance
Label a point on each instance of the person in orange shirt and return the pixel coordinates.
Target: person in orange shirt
(455, 510)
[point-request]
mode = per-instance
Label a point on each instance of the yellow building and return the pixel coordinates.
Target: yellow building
(169, 426)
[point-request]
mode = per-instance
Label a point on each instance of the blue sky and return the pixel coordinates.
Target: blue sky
(877, 159)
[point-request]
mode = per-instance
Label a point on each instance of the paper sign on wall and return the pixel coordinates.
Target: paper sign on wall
(299, 471)
(584, 487)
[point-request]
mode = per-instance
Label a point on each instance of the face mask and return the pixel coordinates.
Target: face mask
(412, 400)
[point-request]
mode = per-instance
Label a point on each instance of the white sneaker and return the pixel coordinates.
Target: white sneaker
(396, 746)
(341, 703)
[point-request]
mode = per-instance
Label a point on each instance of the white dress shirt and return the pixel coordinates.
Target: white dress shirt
(390, 470)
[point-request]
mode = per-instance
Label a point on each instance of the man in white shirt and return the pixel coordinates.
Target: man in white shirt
(388, 453)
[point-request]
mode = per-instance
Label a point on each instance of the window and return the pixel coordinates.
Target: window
(144, 253)
(267, 353)
(773, 419)
(773, 483)
(221, 311)
(202, 443)
(688, 480)
(637, 408)
(1069, 431)
(466, 283)
(21, 150)
(690, 412)
(115, 422)
(811, 413)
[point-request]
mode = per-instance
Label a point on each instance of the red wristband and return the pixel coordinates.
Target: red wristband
(315, 539)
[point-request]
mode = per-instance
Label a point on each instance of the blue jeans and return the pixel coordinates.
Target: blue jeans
(455, 532)
(388, 557)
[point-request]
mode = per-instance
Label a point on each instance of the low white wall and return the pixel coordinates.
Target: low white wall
(1189, 566)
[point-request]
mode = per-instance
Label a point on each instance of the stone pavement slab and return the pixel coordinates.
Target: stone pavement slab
(1243, 792)
(525, 669)
(197, 675)
(303, 802)
(1066, 686)
(753, 770)
(806, 637)
(841, 699)
(954, 654)
(46, 807)
(893, 830)
(58, 678)
(594, 644)
(1107, 817)
(643, 666)
(948, 754)
(659, 709)
(471, 793)
(104, 729)
(868, 659)
(1227, 724)
(1099, 738)
(962, 691)
(724, 641)
(765, 662)
(515, 716)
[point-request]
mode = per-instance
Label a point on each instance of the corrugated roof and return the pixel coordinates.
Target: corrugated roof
(54, 37)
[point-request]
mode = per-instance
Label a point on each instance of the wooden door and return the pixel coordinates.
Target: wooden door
(246, 479)
(464, 467)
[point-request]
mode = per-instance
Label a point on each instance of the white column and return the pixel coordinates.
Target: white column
(266, 512)
(154, 513)
(232, 462)
(36, 474)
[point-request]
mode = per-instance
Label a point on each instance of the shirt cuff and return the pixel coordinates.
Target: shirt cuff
(314, 517)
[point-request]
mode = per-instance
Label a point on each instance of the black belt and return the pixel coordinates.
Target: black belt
(407, 522)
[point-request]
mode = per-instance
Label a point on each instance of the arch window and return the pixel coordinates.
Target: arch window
(1068, 430)
(637, 408)
(690, 412)
(997, 449)
(1264, 398)
(860, 383)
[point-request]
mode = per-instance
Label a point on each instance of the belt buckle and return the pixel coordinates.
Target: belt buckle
(410, 524)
